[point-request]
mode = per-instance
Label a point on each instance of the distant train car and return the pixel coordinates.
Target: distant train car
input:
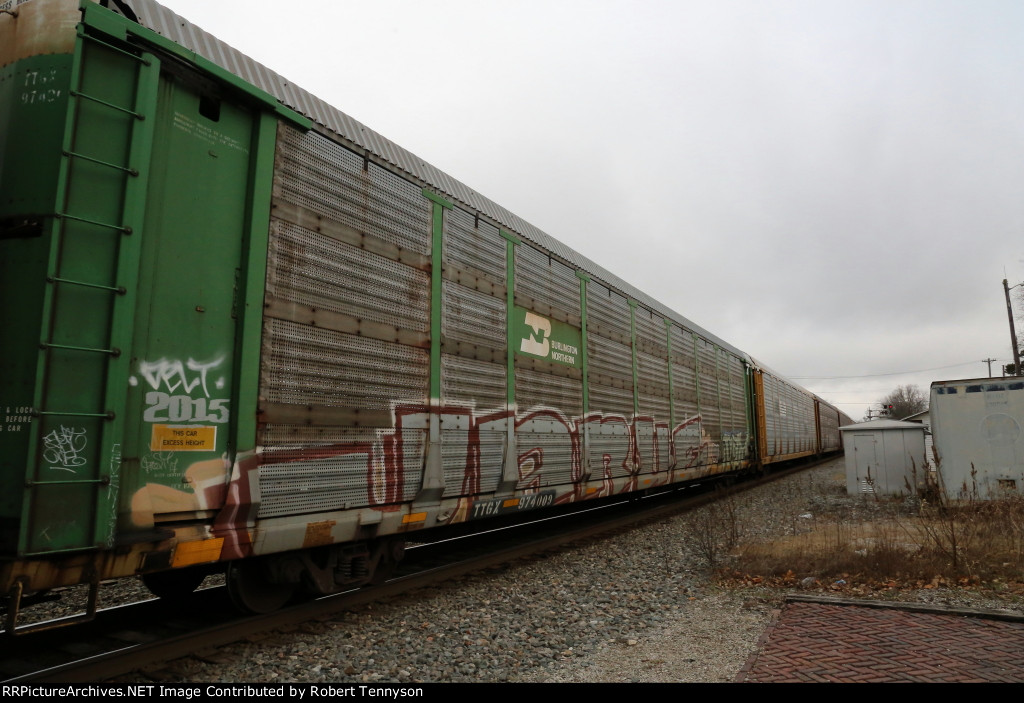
(243, 331)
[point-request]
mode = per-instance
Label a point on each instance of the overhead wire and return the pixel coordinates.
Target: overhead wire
(876, 375)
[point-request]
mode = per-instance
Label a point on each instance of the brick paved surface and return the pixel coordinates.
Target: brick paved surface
(818, 642)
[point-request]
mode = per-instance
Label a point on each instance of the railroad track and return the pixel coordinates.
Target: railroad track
(115, 644)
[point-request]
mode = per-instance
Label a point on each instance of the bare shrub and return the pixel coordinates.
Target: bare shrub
(717, 527)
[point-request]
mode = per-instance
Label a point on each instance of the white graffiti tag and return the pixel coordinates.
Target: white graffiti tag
(62, 448)
(173, 375)
(167, 376)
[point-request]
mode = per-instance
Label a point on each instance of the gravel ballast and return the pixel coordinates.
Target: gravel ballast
(638, 606)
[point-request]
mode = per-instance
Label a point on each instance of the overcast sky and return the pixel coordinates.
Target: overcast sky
(834, 187)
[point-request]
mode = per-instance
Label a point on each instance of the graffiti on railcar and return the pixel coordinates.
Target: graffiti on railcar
(63, 448)
(184, 412)
(604, 455)
(173, 396)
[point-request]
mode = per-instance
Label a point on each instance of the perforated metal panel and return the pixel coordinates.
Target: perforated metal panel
(829, 428)
(609, 352)
(739, 393)
(652, 373)
(472, 317)
(471, 470)
(535, 390)
(647, 457)
(650, 328)
(320, 174)
(611, 400)
(789, 418)
(310, 470)
(541, 278)
(607, 311)
(709, 398)
(474, 246)
(471, 383)
(321, 272)
(652, 365)
(684, 379)
(611, 359)
(609, 450)
(545, 451)
(307, 365)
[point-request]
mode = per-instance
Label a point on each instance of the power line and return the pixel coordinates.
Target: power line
(875, 375)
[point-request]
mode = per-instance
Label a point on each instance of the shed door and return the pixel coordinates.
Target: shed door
(868, 470)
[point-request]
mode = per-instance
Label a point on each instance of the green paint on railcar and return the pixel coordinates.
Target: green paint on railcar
(132, 302)
(33, 101)
(584, 364)
(183, 390)
(33, 105)
(511, 241)
(436, 287)
(70, 462)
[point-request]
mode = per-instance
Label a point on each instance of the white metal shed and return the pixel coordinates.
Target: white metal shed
(978, 439)
(886, 457)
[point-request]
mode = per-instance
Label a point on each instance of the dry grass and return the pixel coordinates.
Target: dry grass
(910, 541)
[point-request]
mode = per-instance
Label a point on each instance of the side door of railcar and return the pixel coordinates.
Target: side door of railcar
(184, 381)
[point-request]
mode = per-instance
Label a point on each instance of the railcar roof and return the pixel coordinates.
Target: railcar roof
(160, 19)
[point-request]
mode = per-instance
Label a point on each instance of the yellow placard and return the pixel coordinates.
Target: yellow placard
(318, 533)
(199, 552)
(183, 438)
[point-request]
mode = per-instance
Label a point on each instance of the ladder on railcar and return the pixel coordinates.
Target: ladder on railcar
(71, 484)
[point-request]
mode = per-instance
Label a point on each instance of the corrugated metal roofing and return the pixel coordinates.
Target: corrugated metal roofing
(158, 18)
(884, 425)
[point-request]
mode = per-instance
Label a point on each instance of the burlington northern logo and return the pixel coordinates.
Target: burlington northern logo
(537, 342)
(548, 339)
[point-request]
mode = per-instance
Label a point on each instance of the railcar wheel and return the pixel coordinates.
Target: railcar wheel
(252, 591)
(173, 584)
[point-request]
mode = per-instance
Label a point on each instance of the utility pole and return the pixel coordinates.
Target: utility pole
(989, 362)
(1013, 333)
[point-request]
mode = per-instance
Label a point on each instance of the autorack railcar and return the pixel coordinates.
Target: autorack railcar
(244, 330)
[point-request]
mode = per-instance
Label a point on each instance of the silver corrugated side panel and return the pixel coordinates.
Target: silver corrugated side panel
(459, 463)
(609, 449)
(346, 330)
(473, 318)
(545, 450)
(552, 284)
(325, 177)
(652, 366)
(473, 247)
(709, 398)
(342, 478)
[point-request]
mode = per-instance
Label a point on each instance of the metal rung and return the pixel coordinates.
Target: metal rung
(129, 171)
(48, 345)
(112, 106)
(145, 62)
(109, 415)
(118, 289)
(14, 607)
(119, 228)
